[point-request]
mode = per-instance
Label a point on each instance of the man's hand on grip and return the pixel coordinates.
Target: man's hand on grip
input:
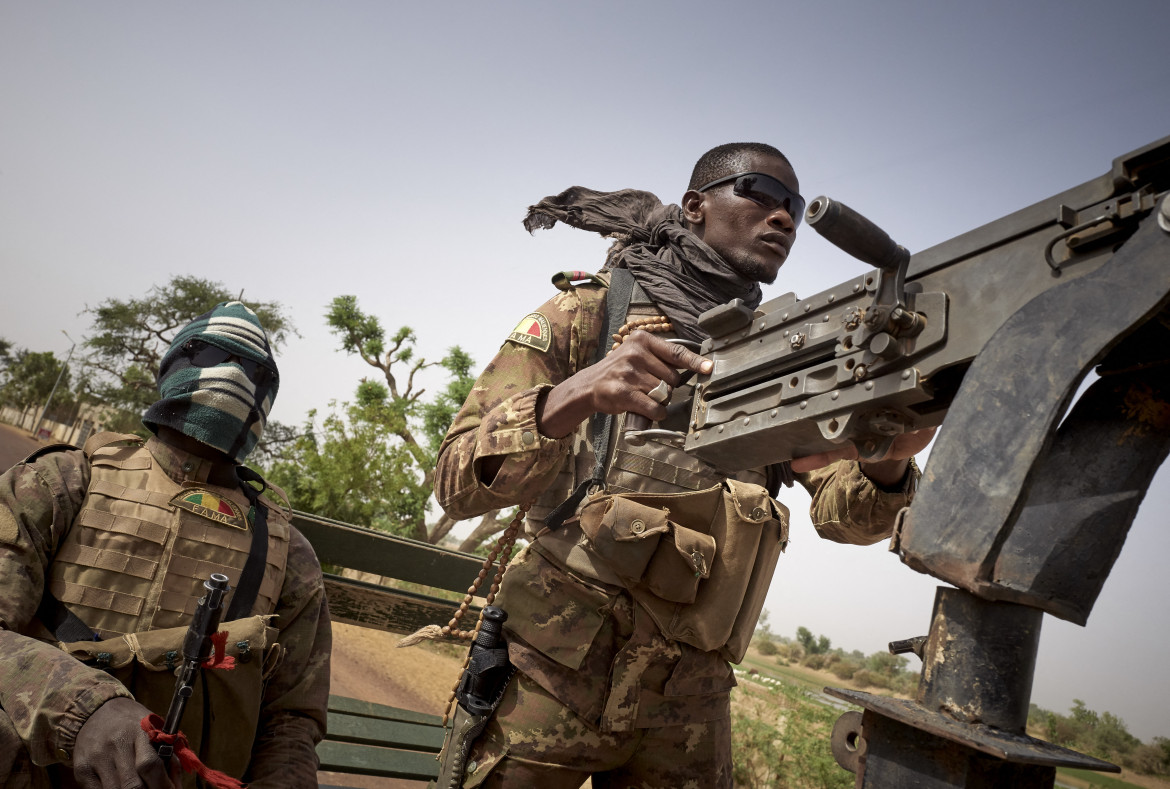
(113, 752)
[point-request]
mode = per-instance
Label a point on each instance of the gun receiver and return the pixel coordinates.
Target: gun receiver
(885, 352)
(196, 651)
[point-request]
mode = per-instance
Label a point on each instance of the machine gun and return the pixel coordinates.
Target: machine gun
(1025, 503)
(886, 351)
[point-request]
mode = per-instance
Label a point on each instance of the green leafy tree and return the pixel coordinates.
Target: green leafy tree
(341, 467)
(379, 453)
(128, 337)
(31, 377)
(886, 664)
(5, 360)
(813, 645)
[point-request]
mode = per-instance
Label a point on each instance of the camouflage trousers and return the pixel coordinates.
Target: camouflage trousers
(535, 741)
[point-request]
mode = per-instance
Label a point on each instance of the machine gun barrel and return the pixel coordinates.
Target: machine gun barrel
(196, 651)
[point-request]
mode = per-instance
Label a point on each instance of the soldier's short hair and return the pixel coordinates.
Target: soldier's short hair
(728, 159)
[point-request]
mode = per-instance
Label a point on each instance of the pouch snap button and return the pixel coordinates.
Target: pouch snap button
(527, 438)
(757, 513)
(637, 527)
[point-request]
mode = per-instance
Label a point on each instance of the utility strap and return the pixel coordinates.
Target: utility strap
(617, 304)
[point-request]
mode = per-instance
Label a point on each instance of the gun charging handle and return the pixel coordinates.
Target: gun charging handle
(852, 233)
(856, 235)
(196, 650)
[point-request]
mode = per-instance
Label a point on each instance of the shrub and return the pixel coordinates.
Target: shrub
(767, 647)
(782, 742)
(844, 669)
(815, 662)
(866, 678)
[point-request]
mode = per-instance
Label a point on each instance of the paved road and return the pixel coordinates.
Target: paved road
(15, 446)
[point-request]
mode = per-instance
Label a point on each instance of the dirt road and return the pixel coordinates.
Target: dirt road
(15, 445)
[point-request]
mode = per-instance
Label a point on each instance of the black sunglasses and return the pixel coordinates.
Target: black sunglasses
(766, 191)
(203, 354)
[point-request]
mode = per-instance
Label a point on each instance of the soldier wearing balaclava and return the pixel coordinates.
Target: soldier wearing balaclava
(103, 555)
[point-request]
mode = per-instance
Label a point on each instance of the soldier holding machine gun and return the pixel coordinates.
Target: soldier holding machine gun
(647, 567)
(104, 554)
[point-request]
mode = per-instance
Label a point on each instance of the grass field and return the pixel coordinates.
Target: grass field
(811, 746)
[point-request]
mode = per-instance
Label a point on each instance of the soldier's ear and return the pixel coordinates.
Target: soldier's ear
(694, 206)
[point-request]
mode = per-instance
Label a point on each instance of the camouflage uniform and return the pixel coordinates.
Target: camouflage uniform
(265, 731)
(600, 688)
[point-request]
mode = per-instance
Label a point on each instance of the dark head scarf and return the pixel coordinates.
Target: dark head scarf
(683, 275)
(219, 406)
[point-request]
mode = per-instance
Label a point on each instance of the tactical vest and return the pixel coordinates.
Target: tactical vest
(132, 568)
(728, 535)
(139, 551)
(649, 467)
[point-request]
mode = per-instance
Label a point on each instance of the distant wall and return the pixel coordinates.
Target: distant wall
(88, 421)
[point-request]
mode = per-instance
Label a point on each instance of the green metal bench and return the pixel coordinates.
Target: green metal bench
(372, 739)
(364, 738)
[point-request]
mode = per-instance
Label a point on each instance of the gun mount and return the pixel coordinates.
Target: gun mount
(1025, 503)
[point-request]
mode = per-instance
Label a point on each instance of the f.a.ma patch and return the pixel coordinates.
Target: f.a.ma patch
(532, 331)
(206, 504)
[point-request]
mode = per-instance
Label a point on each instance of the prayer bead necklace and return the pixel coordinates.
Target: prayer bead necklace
(655, 324)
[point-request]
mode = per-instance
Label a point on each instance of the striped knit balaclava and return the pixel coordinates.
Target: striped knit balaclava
(220, 405)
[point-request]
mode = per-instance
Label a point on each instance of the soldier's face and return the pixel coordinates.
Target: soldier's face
(752, 238)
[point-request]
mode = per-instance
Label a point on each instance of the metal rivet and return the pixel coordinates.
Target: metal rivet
(832, 299)
(747, 421)
(774, 413)
(803, 404)
(807, 307)
(869, 384)
(825, 319)
(721, 428)
(905, 375)
(856, 288)
(835, 395)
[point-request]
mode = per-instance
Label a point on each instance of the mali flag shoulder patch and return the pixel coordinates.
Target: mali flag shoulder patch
(206, 504)
(533, 331)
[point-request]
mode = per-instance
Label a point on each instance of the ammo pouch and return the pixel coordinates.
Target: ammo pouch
(700, 563)
(222, 713)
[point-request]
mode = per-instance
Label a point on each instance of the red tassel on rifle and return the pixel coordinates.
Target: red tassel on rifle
(219, 658)
(153, 724)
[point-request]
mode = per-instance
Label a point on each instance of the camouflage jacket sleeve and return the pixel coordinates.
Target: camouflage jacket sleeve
(847, 506)
(45, 692)
(292, 720)
(499, 416)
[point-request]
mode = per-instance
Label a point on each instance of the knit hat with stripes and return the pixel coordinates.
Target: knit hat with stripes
(221, 405)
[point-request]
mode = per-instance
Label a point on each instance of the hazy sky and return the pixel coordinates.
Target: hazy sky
(298, 151)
